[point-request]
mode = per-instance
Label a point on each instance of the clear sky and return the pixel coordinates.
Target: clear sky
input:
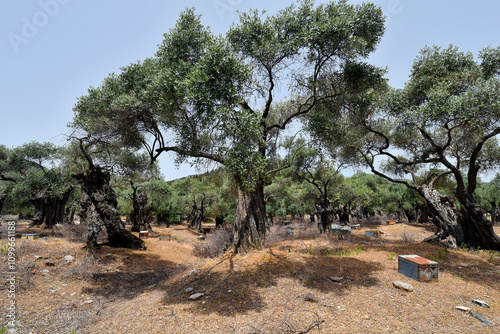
(52, 51)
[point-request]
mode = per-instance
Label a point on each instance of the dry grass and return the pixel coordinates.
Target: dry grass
(127, 291)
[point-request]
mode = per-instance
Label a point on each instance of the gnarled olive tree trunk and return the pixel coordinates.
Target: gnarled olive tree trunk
(250, 219)
(466, 226)
(445, 217)
(100, 206)
(478, 231)
(344, 212)
(140, 219)
(324, 213)
(49, 207)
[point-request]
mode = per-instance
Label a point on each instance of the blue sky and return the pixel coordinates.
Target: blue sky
(52, 51)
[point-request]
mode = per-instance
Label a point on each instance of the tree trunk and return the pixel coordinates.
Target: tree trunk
(494, 209)
(343, 213)
(69, 215)
(192, 216)
(89, 216)
(49, 208)
(478, 231)
(163, 218)
(2, 202)
(445, 217)
(324, 214)
(219, 221)
(250, 219)
(102, 200)
(140, 219)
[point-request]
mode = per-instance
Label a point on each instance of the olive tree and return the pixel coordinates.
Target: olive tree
(446, 118)
(36, 177)
(215, 98)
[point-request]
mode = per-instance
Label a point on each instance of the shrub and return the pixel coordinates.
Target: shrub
(216, 243)
(409, 237)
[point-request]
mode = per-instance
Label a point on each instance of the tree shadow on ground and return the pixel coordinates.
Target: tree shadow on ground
(130, 273)
(234, 289)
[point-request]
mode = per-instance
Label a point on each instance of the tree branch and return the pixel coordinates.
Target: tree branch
(195, 154)
(473, 167)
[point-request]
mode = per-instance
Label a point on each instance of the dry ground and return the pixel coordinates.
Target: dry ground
(125, 291)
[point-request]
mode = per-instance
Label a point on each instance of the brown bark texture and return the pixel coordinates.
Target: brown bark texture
(99, 207)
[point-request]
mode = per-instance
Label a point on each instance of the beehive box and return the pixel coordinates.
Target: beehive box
(390, 222)
(373, 233)
(418, 268)
(355, 226)
(165, 236)
(345, 230)
(143, 234)
(334, 228)
(30, 236)
(289, 231)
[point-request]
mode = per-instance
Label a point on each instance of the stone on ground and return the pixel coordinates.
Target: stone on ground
(403, 286)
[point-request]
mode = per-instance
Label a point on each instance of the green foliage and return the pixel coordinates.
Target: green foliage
(197, 87)
(29, 169)
(391, 256)
(488, 193)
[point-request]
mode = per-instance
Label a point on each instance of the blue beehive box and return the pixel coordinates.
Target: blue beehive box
(418, 268)
(373, 233)
(30, 236)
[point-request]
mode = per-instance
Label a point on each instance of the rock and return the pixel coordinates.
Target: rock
(201, 237)
(53, 289)
(403, 286)
(45, 271)
(311, 298)
(480, 303)
(67, 259)
(50, 263)
(337, 279)
(109, 256)
(194, 272)
(188, 290)
(38, 257)
(195, 278)
(462, 308)
(484, 321)
(90, 301)
(196, 296)
(151, 286)
(30, 265)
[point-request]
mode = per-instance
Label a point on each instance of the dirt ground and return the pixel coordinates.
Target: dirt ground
(127, 291)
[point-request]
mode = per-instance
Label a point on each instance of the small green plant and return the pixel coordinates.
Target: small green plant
(390, 256)
(492, 254)
(309, 250)
(442, 254)
(3, 330)
(327, 252)
(349, 252)
(4, 249)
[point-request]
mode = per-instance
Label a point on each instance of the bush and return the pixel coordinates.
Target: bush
(409, 237)
(217, 242)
